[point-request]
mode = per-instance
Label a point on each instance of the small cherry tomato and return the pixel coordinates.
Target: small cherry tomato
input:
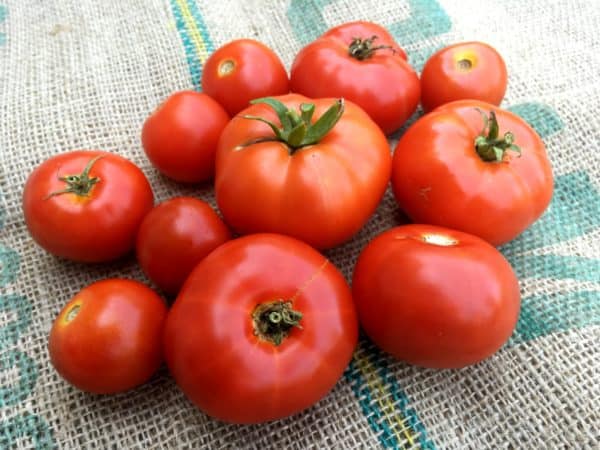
(435, 297)
(468, 70)
(312, 169)
(263, 328)
(174, 237)
(473, 167)
(361, 62)
(180, 138)
(107, 339)
(243, 70)
(86, 205)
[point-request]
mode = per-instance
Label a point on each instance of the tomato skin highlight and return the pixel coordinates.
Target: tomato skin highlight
(442, 302)
(439, 178)
(321, 194)
(113, 341)
(174, 237)
(180, 137)
(242, 70)
(211, 347)
(97, 227)
(463, 71)
(383, 84)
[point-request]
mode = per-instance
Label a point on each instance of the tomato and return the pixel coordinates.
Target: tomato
(174, 237)
(435, 297)
(361, 62)
(107, 339)
(243, 70)
(180, 138)
(318, 181)
(86, 205)
(467, 70)
(263, 328)
(492, 183)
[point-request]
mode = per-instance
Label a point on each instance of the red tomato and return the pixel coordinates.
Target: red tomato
(263, 328)
(180, 138)
(468, 70)
(243, 70)
(174, 237)
(319, 183)
(361, 62)
(435, 297)
(86, 205)
(448, 172)
(107, 339)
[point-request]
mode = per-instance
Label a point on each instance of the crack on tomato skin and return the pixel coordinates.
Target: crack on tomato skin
(310, 280)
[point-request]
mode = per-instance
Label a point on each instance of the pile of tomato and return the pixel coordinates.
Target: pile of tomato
(263, 325)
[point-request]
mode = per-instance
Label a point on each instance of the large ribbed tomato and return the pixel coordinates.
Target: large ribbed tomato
(263, 328)
(457, 167)
(316, 172)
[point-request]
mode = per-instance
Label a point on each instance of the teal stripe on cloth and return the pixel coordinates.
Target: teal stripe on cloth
(27, 429)
(186, 26)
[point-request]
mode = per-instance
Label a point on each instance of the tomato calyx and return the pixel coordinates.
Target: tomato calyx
(488, 145)
(81, 184)
(363, 48)
(273, 321)
(297, 130)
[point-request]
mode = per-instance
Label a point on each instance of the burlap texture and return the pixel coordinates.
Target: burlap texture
(86, 73)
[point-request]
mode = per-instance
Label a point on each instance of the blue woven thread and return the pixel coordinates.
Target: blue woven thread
(546, 314)
(3, 14)
(544, 120)
(10, 332)
(26, 426)
(28, 375)
(9, 265)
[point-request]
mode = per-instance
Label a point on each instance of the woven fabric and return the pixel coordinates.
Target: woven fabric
(86, 73)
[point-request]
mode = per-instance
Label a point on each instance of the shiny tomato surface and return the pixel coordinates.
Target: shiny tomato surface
(440, 177)
(463, 71)
(175, 236)
(243, 70)
(322, 193)
(107, 339)
(361, 62)
(180, 137)
(88, 216)
(228, 344)
(435, 297)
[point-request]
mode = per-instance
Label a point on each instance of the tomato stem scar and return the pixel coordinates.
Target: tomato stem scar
(464, 64)
(439, 239)
(72, 312)
(363, 48)
(273, 321)
(226, 67)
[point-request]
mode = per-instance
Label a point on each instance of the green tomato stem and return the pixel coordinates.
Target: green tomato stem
(298, 130)
(81, 184)
(488, 145)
